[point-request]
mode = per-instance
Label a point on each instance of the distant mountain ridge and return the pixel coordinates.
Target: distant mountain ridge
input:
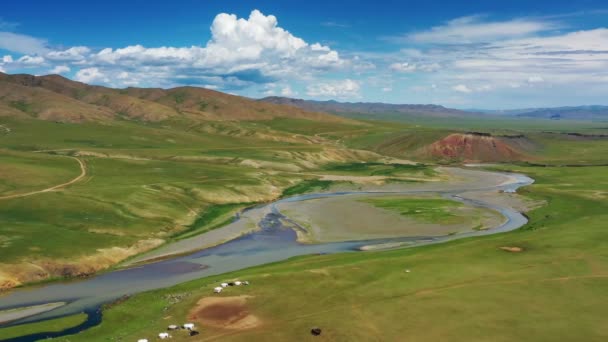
(589, 112)
(370, 108)
(56, 98)
(569, 113)
(386, 111)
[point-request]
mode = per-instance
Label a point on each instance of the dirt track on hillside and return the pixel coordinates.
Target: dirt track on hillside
(83, 173)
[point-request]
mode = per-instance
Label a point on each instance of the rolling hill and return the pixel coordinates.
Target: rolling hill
(477, 147)
(55, 98)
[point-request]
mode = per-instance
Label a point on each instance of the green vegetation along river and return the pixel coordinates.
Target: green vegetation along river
(273, 241)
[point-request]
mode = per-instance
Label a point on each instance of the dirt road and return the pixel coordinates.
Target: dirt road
(83, 173)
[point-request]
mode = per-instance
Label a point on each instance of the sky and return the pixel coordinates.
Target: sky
(461, 54)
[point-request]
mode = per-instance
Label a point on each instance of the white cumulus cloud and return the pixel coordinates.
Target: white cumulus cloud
(462, 88)
(30, 60)
(91, 75)
(334, 89)
(60, 69)
(76, 53)
(241, 52)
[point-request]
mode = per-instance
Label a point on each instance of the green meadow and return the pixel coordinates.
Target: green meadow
(166, 181)
(142, 182)
(23, 172)
(469, 289)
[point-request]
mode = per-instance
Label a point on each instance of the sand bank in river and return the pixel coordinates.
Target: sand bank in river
(350, 218)
(15, 314)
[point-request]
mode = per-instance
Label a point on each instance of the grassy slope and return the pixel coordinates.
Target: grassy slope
(366, 290)
(123, 199)
(462, 290)
(145, 181)
(24, 172)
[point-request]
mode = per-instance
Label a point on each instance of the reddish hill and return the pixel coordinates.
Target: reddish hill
(476, 147)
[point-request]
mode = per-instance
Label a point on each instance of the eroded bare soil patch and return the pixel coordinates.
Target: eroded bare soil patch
(224, 312)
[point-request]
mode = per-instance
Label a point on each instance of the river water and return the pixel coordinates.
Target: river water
(275, 241)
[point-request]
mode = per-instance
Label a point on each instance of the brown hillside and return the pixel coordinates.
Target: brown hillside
(221, 106)
(54, 97)
(474, 147)
(47, 105)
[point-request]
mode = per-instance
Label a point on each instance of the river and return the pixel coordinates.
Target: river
(272, 242)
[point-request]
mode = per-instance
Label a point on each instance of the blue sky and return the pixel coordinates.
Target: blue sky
(473, 54)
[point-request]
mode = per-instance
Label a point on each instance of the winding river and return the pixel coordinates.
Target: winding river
(275, 240)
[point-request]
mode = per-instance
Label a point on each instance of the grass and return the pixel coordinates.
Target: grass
(120, 202)
(560, 149)
(307, 186)
(379, 169)
(554, 289)
(145, 181)
(431, 210)
(309, 127)
(214, 216)
(24, 172)
(53, 325)
(149, 180)
(22, 106)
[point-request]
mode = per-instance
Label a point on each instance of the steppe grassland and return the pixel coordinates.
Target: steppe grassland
(553, 289)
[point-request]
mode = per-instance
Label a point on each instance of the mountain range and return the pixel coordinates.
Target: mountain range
(371, 110)
(56, 98)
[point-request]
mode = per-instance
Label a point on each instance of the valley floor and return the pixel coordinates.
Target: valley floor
(552, 286)
(156, 187)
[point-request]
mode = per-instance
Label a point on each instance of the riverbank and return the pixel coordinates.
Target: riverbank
(272, 243)
(371, 295)
(448, 179)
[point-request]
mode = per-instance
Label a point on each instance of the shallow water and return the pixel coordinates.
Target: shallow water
(273, 242)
